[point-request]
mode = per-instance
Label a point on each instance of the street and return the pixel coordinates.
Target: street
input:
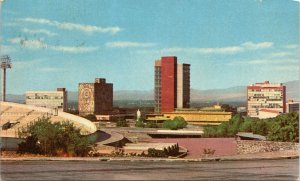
(283, 169)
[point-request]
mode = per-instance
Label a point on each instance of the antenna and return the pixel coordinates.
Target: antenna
(5, 63)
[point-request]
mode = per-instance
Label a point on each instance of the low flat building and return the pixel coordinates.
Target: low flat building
(201, 117)
(48, 99)
(204, 116)
(267, 113)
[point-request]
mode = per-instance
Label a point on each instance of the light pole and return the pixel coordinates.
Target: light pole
(5, 63)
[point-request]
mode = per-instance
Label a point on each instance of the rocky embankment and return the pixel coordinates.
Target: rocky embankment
(251, 146)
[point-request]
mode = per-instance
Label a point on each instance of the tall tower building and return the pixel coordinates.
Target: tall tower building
(172, 85)
(95, 98)
(266, 97)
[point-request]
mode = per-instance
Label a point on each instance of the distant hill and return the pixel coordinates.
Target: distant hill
(232, 94)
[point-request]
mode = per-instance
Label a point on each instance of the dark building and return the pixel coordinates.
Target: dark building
(95, 98)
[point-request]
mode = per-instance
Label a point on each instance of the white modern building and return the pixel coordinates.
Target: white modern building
(48, 99)
(265, 96)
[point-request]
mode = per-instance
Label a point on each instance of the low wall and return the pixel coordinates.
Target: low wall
(252, 146)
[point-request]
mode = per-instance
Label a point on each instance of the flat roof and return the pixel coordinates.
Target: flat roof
(251, 135)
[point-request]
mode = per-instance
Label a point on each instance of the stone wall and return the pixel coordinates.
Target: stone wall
(251, 146)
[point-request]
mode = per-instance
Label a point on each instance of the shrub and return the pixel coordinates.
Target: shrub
(91, 117)
(122, 123)
(49, 138)
(152, 152)
(208, 151)
(140, 123)
(176, 123)
(284, 127)
(152, 125)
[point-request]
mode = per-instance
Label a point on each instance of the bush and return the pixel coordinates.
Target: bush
(152, 152)
(49, 138)
(91, 117)
(152, 125)
(140, 123)
(208, 151)
(176, 123)
(122, 123)
(284, 127)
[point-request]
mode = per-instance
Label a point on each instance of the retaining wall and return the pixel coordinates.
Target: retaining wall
(252, 146)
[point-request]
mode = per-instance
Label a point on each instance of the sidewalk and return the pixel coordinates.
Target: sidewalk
(256, 156)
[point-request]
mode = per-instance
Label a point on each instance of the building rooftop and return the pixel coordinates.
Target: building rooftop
(269, 110)
(251, 135)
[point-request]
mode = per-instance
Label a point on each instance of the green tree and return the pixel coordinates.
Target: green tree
(122, 123)
(91, 117)
(176, 123)
(51, 138)
(285, 128)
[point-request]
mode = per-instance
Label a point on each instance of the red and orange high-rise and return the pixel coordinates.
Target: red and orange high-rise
(172, 85)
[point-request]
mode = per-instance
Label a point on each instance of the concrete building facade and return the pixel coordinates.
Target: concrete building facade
(265, 96)
(95, 98)
(172, 85)
(49, 99)
(292, 106)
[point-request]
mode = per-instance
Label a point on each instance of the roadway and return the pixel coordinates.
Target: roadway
(283, 169)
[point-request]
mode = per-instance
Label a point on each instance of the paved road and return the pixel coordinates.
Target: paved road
(125, 170)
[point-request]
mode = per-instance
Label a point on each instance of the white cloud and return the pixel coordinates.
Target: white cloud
(283, 61)
(126, 44)
(74, 49)
(23, 64)
(280, 54)
(10, 24)
(26, 43)
(6, 49)
(39, 31)
(285, 68)
(39, 44)
(73, 26)
(247, 46)
(291, 46)
(255, 46)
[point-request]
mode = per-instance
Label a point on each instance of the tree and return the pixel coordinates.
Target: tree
(285, 128)
(176, 123)
(140, 123)
(122, 123)
(228, 108)
(91, 117)
(49, 138)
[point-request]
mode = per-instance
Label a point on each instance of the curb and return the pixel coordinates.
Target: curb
(213, 159)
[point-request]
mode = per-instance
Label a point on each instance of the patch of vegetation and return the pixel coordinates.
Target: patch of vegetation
(208, 151)
(91, 117)
(176, 123)
(140, 123)
(122, 123)
(54, 139)
(170, 151)
(284, 127)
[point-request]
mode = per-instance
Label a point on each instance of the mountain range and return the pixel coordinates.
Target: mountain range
(237, 94)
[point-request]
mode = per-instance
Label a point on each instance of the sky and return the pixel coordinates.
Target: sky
(54, 43)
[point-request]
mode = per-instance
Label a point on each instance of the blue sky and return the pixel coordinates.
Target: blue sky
(228, 43)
